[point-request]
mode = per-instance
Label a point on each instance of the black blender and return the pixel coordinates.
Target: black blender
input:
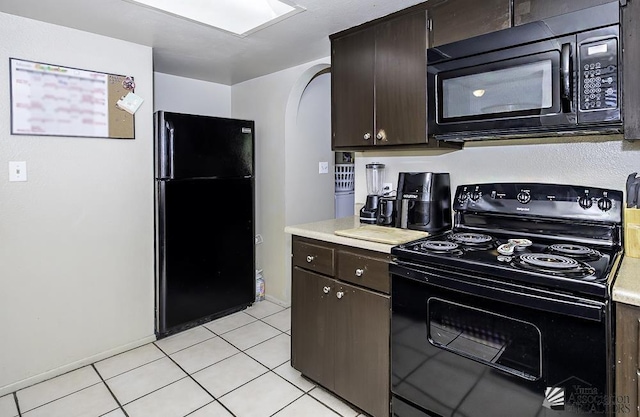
(375, 187)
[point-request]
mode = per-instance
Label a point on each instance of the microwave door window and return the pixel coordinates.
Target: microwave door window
(514, 90)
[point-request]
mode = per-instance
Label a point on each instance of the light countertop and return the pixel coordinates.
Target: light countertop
(626, 288)
(324, 230)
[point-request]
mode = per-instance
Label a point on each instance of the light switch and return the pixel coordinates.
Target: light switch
(323, 167)
(17, 170)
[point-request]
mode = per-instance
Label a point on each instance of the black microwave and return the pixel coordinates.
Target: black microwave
(559, 76)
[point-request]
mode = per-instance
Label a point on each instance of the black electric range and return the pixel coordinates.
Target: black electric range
(503, 305)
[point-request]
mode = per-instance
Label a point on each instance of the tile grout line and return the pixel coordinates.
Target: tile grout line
(297, 398)
(58, 398)
(308, 394)
(110, 392)
(200, 385)
(15, 398)
(252, 346)
(132, 369)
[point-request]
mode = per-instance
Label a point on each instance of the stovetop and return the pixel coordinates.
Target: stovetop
(568, 266)
(549, 236)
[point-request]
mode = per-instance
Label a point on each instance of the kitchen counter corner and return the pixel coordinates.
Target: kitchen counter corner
(325, 231)
(626, 289)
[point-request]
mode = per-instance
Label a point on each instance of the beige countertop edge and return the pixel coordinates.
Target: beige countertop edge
(324, 230)
(626, 288)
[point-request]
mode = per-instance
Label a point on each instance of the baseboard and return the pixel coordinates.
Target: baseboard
(7, 389)
(276, 301)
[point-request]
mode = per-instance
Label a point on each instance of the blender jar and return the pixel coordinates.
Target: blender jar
(375, 178)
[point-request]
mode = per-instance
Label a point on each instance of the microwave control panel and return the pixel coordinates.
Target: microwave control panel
(599, 75)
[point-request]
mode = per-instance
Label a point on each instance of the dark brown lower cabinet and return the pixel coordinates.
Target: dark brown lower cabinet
(339, 330)
(313, 326)
(627, 358)
(362, 349)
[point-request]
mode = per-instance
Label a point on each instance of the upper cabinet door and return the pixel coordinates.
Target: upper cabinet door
(352, 73)
(526, 11)
(400, 81)
(454, 20)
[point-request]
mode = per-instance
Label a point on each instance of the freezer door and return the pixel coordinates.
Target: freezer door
(190, 146)
(205, 249)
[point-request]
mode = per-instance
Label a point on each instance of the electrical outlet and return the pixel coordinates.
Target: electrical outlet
(387, 187)
(17, 171)
(323, 167)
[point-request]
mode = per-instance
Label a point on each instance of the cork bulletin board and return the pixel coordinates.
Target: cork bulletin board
(51, 100)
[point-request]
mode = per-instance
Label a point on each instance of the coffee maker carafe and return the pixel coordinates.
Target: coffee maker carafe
(375, 187)
(424, 201)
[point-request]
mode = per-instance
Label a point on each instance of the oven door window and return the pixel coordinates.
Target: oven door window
(508, 344)
(519, 87)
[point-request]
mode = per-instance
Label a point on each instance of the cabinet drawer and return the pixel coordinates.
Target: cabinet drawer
(314, 257)
(362, 270)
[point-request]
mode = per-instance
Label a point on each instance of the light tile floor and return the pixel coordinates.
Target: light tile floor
(234, 366)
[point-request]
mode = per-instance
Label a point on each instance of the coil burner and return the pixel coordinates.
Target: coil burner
(438, 246)
(472, 241)
(554, 264)
(575, 251)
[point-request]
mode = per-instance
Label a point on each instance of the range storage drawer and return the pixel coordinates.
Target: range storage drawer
(313, 257)
(363, 270)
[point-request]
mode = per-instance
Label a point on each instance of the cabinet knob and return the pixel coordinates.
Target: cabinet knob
(310, 258)
(359, 272)
(382, 135)
(340, 294)
(326, 290)
(367, 136)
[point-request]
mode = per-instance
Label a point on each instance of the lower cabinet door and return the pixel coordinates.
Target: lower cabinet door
(627, 360)
(312, 325)
(362, 348)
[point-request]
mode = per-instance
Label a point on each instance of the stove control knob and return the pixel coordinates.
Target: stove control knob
(585, 202)
(523, 197)
(605, 204)
(462, 197)
(475, 196)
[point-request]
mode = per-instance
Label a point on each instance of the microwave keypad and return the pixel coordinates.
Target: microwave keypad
(599, 75)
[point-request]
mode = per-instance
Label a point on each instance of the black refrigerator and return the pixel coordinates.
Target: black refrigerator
(204, 217)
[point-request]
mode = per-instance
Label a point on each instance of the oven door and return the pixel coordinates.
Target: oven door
(521, 88)
(467, 346)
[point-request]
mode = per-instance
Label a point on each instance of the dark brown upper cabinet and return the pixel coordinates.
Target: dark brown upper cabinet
(352, 78)
(454, 20)
(527, 11)
(378, 83)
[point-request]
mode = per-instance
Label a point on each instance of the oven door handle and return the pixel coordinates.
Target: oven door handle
(505, 292)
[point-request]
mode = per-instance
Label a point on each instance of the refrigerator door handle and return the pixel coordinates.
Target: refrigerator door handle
(166, 150)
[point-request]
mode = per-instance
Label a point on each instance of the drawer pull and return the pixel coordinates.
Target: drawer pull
(326, 290)
(359, 272)
(340, 294)
(310, 258)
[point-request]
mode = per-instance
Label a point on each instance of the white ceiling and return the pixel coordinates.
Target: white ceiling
(188, 49)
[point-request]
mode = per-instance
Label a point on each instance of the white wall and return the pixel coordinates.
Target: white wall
(76, 239)
(597, 161)
(186, 95)
(308, 143)
(266, 100)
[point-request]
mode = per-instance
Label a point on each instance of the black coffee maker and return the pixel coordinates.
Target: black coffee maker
(423, 201)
